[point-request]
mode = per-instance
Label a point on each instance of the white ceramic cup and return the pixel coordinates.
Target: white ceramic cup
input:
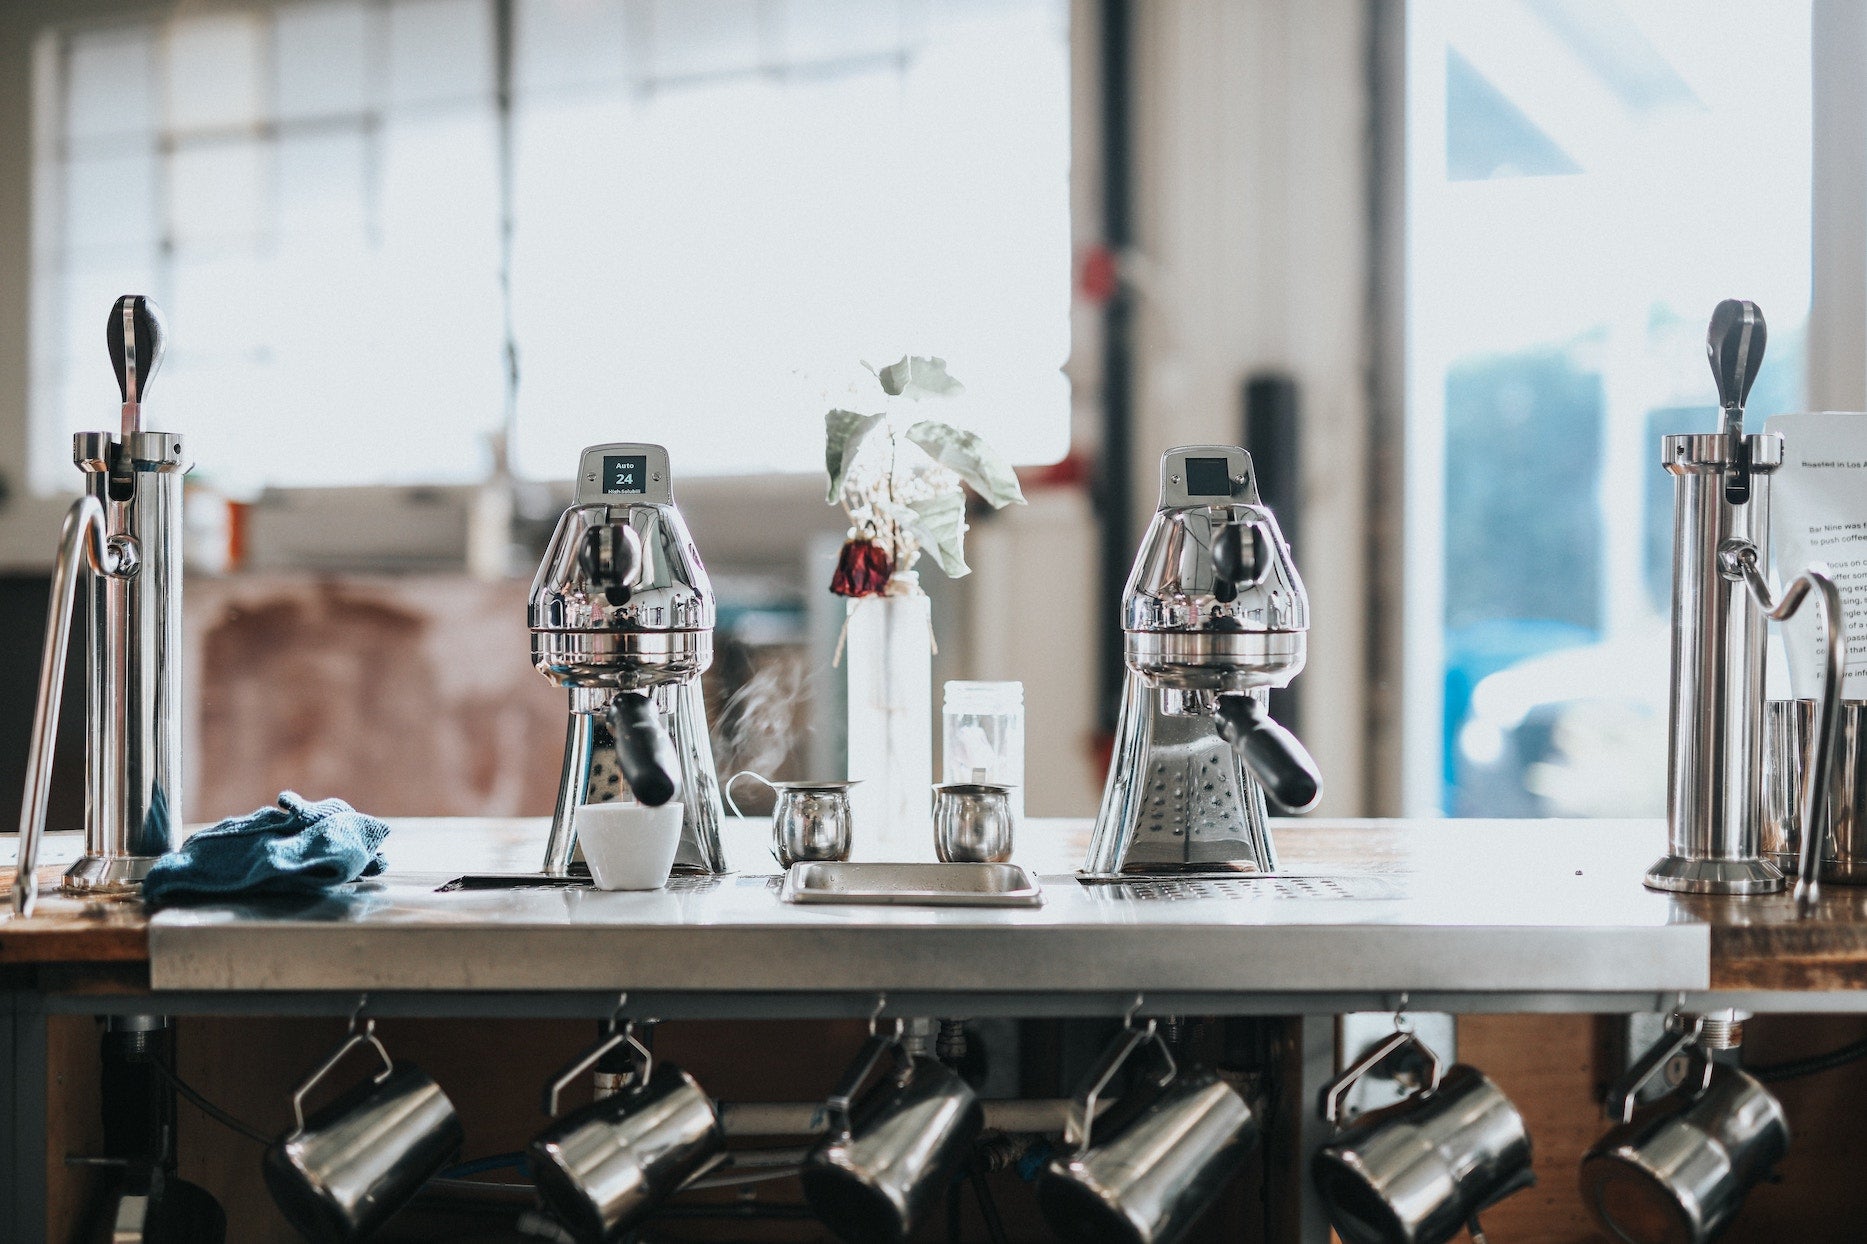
(630, 846)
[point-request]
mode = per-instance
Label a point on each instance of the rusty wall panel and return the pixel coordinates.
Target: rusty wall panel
(408, 696)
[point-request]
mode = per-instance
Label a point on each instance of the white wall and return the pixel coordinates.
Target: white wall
(1253, 185)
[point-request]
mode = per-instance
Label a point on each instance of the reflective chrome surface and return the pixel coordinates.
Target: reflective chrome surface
(606, 1166)
(342, 1173)
(1144, 1171)
(887, 1159)
(80, 546)
(1742, 562)
(913, 884)
(611, 615)
(809, 820)
(1788, 725)
(1676, 1171)
(1179, 798)
(133, 648)
(1420, 1171)
(1714, 800)
(972, 823)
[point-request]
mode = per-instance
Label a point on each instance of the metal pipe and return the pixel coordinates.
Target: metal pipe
(1714, 799)
(81, 537)
(1044, 1115)
(1738, 560)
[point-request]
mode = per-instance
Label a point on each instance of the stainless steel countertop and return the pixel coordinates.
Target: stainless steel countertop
(1386, 906)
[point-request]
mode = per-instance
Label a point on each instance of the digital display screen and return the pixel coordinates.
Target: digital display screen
(625, 473)
(1207, 477)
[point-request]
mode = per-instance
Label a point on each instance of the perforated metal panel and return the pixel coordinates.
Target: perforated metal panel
(1257, 889)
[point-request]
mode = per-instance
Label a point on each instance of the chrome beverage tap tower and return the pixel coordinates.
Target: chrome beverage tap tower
(621, 613)
(1721, 603)
(127, 531)
(1213, 616)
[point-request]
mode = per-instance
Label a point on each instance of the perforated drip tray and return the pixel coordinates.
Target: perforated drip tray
(1252, 887)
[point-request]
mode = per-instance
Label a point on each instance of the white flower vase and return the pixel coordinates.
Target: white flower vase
(888, 651)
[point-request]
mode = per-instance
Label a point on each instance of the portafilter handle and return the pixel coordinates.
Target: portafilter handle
(644, 751)
(1282, 764)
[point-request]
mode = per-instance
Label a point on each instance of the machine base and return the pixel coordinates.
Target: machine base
(107, 874)
(1853, 873)
(1681, 875)
(1170, 872)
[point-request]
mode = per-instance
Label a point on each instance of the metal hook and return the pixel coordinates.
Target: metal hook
(1401, 1022)
(1133, 1012)
(356, 1015)
(875, 1016)
(615, 1014)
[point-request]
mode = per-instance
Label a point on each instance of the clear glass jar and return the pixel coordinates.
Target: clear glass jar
(982, 737)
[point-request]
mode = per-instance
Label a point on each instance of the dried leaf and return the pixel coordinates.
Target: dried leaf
(940, 522)
(916, 377)
(968, 455)
(843, 434)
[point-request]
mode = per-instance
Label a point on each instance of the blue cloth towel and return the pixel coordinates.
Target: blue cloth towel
(299, 847)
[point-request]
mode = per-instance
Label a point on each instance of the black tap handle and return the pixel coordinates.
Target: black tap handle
(644, 750)
(1282, 764)
(1240, 554)
(134, 338)
(1734, 343)
(611, 559)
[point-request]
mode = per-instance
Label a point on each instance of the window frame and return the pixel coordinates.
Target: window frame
(399, 516)
(1405, 746)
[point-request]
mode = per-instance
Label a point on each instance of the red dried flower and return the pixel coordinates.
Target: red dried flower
(862, 569)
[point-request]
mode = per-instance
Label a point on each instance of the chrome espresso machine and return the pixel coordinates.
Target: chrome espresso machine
(621, 614)
(1213, 617)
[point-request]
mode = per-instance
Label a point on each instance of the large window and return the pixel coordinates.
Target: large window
(715, 211)
(1586, 180)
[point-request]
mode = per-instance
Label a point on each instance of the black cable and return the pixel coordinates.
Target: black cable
(207, 1107)
(994, 1225)
(1771, 1073)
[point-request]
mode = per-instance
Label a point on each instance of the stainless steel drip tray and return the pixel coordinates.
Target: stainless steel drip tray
(919, 885)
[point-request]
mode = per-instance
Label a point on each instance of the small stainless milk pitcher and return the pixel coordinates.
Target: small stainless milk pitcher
(1788, 729)
(1147, 1168)
(342, 1173)
(604, 1167)
(887, 1158)
(972, 823)
(810, 821)
(1677, 1170)
(1421, 1170)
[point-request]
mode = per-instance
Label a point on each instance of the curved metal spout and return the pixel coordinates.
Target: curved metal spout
(1737, 559)
(82, 538)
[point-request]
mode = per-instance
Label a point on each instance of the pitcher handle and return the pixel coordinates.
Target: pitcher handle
(643, 1057)
(1080, 1115)
(1336, 1091)
(837, 1105)
(366, 1035)
(1620, 1098)
(726, 790)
